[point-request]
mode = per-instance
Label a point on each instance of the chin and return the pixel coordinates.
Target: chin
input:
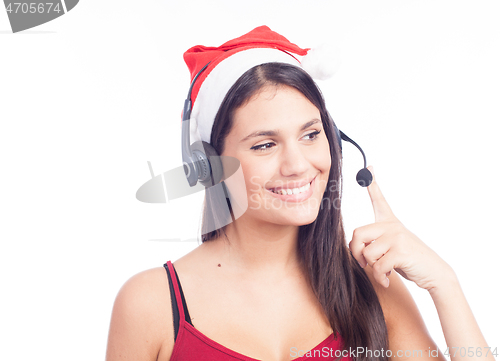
(292, 218)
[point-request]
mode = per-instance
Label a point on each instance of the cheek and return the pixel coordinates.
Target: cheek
(325, 161)
(255, 175)
(322, 161)
(321, 158)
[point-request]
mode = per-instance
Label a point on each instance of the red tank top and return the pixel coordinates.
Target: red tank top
(192, 345)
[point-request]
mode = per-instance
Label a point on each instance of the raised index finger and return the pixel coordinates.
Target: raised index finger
(380, 206)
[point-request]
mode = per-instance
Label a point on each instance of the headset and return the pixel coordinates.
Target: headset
(202, 163)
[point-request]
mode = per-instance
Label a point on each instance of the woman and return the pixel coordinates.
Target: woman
(280, 282)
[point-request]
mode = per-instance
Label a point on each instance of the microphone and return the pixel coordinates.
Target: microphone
(364, 176)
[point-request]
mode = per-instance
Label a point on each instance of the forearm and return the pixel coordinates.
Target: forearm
(460, 328)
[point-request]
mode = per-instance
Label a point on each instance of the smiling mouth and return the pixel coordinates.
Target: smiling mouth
(297, 194)
(291, 191)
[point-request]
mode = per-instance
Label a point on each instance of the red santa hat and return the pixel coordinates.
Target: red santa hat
(233, 58)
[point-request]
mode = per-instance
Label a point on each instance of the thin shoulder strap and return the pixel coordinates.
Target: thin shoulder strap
(176, 298)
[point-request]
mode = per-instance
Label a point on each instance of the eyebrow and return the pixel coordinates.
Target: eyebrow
(260, 133)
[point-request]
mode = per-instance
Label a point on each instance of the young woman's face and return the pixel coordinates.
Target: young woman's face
(279, 139)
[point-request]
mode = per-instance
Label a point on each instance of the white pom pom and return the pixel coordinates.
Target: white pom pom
(321, 62)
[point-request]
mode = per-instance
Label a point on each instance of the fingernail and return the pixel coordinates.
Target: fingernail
(387, 282)
(360, 265)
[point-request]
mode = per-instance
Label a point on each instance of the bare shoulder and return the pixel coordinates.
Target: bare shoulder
(405, 326)
(141, 321)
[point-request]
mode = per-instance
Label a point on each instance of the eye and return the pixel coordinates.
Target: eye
(314, 135)
(262, 147)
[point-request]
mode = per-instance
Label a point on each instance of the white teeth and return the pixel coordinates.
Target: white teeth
(293, 191)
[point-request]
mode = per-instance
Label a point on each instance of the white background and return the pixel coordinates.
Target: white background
(87, 99)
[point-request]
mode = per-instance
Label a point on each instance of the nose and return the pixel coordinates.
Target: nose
(293, 160)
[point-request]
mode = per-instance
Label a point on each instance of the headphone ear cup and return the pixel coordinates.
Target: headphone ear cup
(213, 162)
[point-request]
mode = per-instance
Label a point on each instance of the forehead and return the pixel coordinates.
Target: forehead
(274, 107)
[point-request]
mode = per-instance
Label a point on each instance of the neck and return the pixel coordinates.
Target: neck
(261, 248)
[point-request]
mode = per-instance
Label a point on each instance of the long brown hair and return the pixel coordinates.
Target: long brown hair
(340, 284)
